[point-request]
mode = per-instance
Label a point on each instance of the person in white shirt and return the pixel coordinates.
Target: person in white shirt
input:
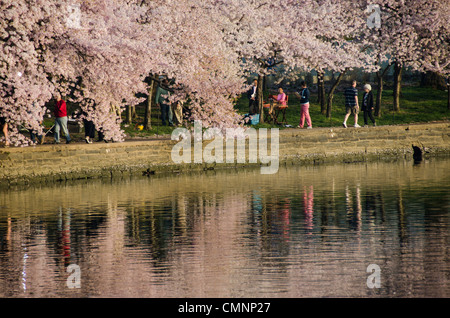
(252, 95)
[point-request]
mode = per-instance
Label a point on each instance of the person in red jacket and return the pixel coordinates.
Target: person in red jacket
(61, 119)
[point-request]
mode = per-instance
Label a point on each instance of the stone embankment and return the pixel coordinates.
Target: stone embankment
(51, 163)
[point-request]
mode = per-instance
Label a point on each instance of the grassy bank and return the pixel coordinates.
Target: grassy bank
(418, 105)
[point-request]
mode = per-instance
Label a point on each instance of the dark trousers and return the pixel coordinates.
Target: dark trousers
(34, 135)
(165, 114)
(368, 113)
(100, 136)
(89, 129)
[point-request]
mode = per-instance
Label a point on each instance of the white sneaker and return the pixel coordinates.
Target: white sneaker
(309, 127)
(357, 126)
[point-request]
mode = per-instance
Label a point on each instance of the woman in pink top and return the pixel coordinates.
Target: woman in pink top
(281, 100)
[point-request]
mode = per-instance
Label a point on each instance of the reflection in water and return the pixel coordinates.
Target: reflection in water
(353, 207)
(305, 232)
(308, 199)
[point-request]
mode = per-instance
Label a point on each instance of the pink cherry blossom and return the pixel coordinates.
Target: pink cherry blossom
(100, 53)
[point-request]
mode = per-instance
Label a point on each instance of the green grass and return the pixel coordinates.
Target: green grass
(417, 105)
(157, 129)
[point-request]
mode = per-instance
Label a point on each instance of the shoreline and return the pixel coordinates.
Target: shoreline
(136, 157)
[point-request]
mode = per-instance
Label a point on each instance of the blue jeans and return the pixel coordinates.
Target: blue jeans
(61, 122)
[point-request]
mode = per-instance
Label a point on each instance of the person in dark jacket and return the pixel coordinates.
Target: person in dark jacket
(367, 105)
(89, 129)
(162, 101)
(304, 96)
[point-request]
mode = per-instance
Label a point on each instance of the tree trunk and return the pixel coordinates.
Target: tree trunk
(331, 93)
(260, 92)
(380, 80)
(148, 107)
(115, 110)
(398, 67)
(321, 92)
(129, 115)
(323, 107)
(377, 111)
(448, 93)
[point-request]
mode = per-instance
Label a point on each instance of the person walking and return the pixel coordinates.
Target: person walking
(367, 105)
(351, 104)
(162, 101)
(304, 106)
(60, 112)
(89, 130)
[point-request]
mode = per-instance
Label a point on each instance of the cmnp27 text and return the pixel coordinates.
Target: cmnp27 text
(240, 307)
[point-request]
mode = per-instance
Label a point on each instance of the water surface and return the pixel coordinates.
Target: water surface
(304, 232)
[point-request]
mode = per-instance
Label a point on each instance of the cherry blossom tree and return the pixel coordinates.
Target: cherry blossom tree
(102, 51)
(106, 51)
(410, 34)
(434, 34)
(335, 44)
(44, 54)
(302, 36)
(27, 29)
(191, 50)
(105, 54)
